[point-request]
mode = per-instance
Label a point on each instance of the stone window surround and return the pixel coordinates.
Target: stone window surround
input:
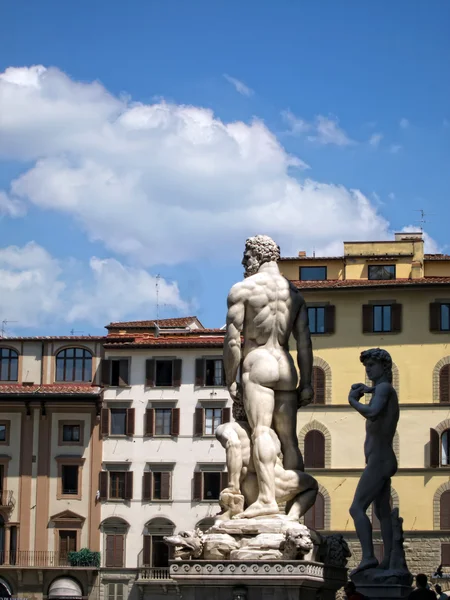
(69, 461)
(61, 424)
(74, 523)
(443, 426)
(437, 368)
(319, 427)
(437, 504)
(322, 364)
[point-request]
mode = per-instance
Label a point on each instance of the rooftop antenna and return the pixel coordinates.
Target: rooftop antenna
(4, 324)
(423, 218)
(73, 332)
(158, 277)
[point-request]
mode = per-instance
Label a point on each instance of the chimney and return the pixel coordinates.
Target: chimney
(302, 254)
(408, 236)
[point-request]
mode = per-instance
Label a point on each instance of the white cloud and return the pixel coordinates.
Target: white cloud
(36, 289)
(324, 130)
(404, 123)
(430, 246)
(239, 86)
(375, 139)
(11, 206)
(395, 148)
(167, 183)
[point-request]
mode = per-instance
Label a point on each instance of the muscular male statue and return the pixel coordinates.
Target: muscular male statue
(382, 415)
(267, 308)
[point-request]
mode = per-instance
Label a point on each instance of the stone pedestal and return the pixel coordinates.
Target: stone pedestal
(257, 580)
(384, 591)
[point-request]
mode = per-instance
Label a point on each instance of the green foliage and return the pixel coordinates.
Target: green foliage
(84, 558)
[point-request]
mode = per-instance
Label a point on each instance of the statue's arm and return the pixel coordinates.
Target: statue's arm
(378, 402)
(232, 343)
(302, 336)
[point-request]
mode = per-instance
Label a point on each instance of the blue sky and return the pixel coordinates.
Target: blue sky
(209, 122)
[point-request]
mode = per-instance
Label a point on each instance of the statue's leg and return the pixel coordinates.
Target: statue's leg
(300, 505)
(259, 405)
(230, 440)
(382, 507)
(285, 424)
(369, 486)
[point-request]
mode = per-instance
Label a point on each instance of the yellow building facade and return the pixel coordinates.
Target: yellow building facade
(389, 295)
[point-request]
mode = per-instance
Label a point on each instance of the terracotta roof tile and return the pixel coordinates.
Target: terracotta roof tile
(50, 338)
(437, 256)
(321, 258)
(176, 322)
(52, 388)
(360, 283)
(172, 341)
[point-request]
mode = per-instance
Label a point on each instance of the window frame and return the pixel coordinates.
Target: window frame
(7, 424)
(69, 461)
(61, 424)
(110, 476)
(382, 306)
(166, 360)
(301, 268)
(10, 358)
(447, 304)
(382, 266)
(446, 432)
(115, 595)
(164, 410)
(214, 360)
(315, 309)
(115, 410)
(213, 408)
(83, 359)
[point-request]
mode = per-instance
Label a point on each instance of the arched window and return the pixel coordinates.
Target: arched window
(319, 385)
(9, 364)
(444, 384)
(445, 510)
(315, 517)
(314, 450)
(156, 552)
(114, 542)
(74, 364)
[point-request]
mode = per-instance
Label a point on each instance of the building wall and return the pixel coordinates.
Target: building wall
(185, 451)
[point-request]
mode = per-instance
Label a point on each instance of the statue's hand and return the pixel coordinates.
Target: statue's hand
(357, 391)
(235, 391)
(305, 395)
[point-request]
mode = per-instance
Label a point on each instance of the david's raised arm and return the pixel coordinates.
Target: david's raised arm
(232, 342)
(304, 355)
(378, 402)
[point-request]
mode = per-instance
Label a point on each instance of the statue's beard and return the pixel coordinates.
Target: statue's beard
(251, 269)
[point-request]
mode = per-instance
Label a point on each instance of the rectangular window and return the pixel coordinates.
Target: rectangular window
(445, 317)
(381, 272)
(71, 433)
(213, 418)
(118, 421)
(115, 591)
(164, 373)
(382, 318)
(313, 273)
(211, 485)
(117, 485)
(214, 375)
(118, 371)
(69, 476)
(316, 317)
(67, 542)
(163, 421)
(4, 432)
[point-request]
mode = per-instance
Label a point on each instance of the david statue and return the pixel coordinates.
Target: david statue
(264, 461)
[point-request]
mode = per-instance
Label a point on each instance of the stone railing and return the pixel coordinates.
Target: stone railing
(155, 573)
(40, 558)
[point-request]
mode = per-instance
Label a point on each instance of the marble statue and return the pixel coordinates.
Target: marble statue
(266, 308)
(381, 414)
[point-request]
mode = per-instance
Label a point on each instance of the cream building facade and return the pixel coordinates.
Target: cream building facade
(50, 455)
(389, 295)
(162, 468)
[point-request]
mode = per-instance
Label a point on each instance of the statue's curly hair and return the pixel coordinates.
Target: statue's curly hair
(264, 248)
(381, 356)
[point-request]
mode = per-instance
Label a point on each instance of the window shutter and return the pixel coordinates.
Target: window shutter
(367, 318)
(199, 421)
(396, 324)
(123, 372)
(198, 485)
(199, 372)
(319, 385)
(110, 545)
(150, 372)
(444, 384)
(435, 316)
(176, 378)
(445, 555)
(106, 372)
(118, 550)
(165, 485)
(103, 485)
(223, 480)
(63, 545)
(226, 415)
(147, 551)
(150, 421)
(128, 485)
(175, 425)
(104, 421)
(330, 318)
(434, 448)
(445, 510)
(147, 485)
(314, 449)
(130, 421)
(315, 517)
